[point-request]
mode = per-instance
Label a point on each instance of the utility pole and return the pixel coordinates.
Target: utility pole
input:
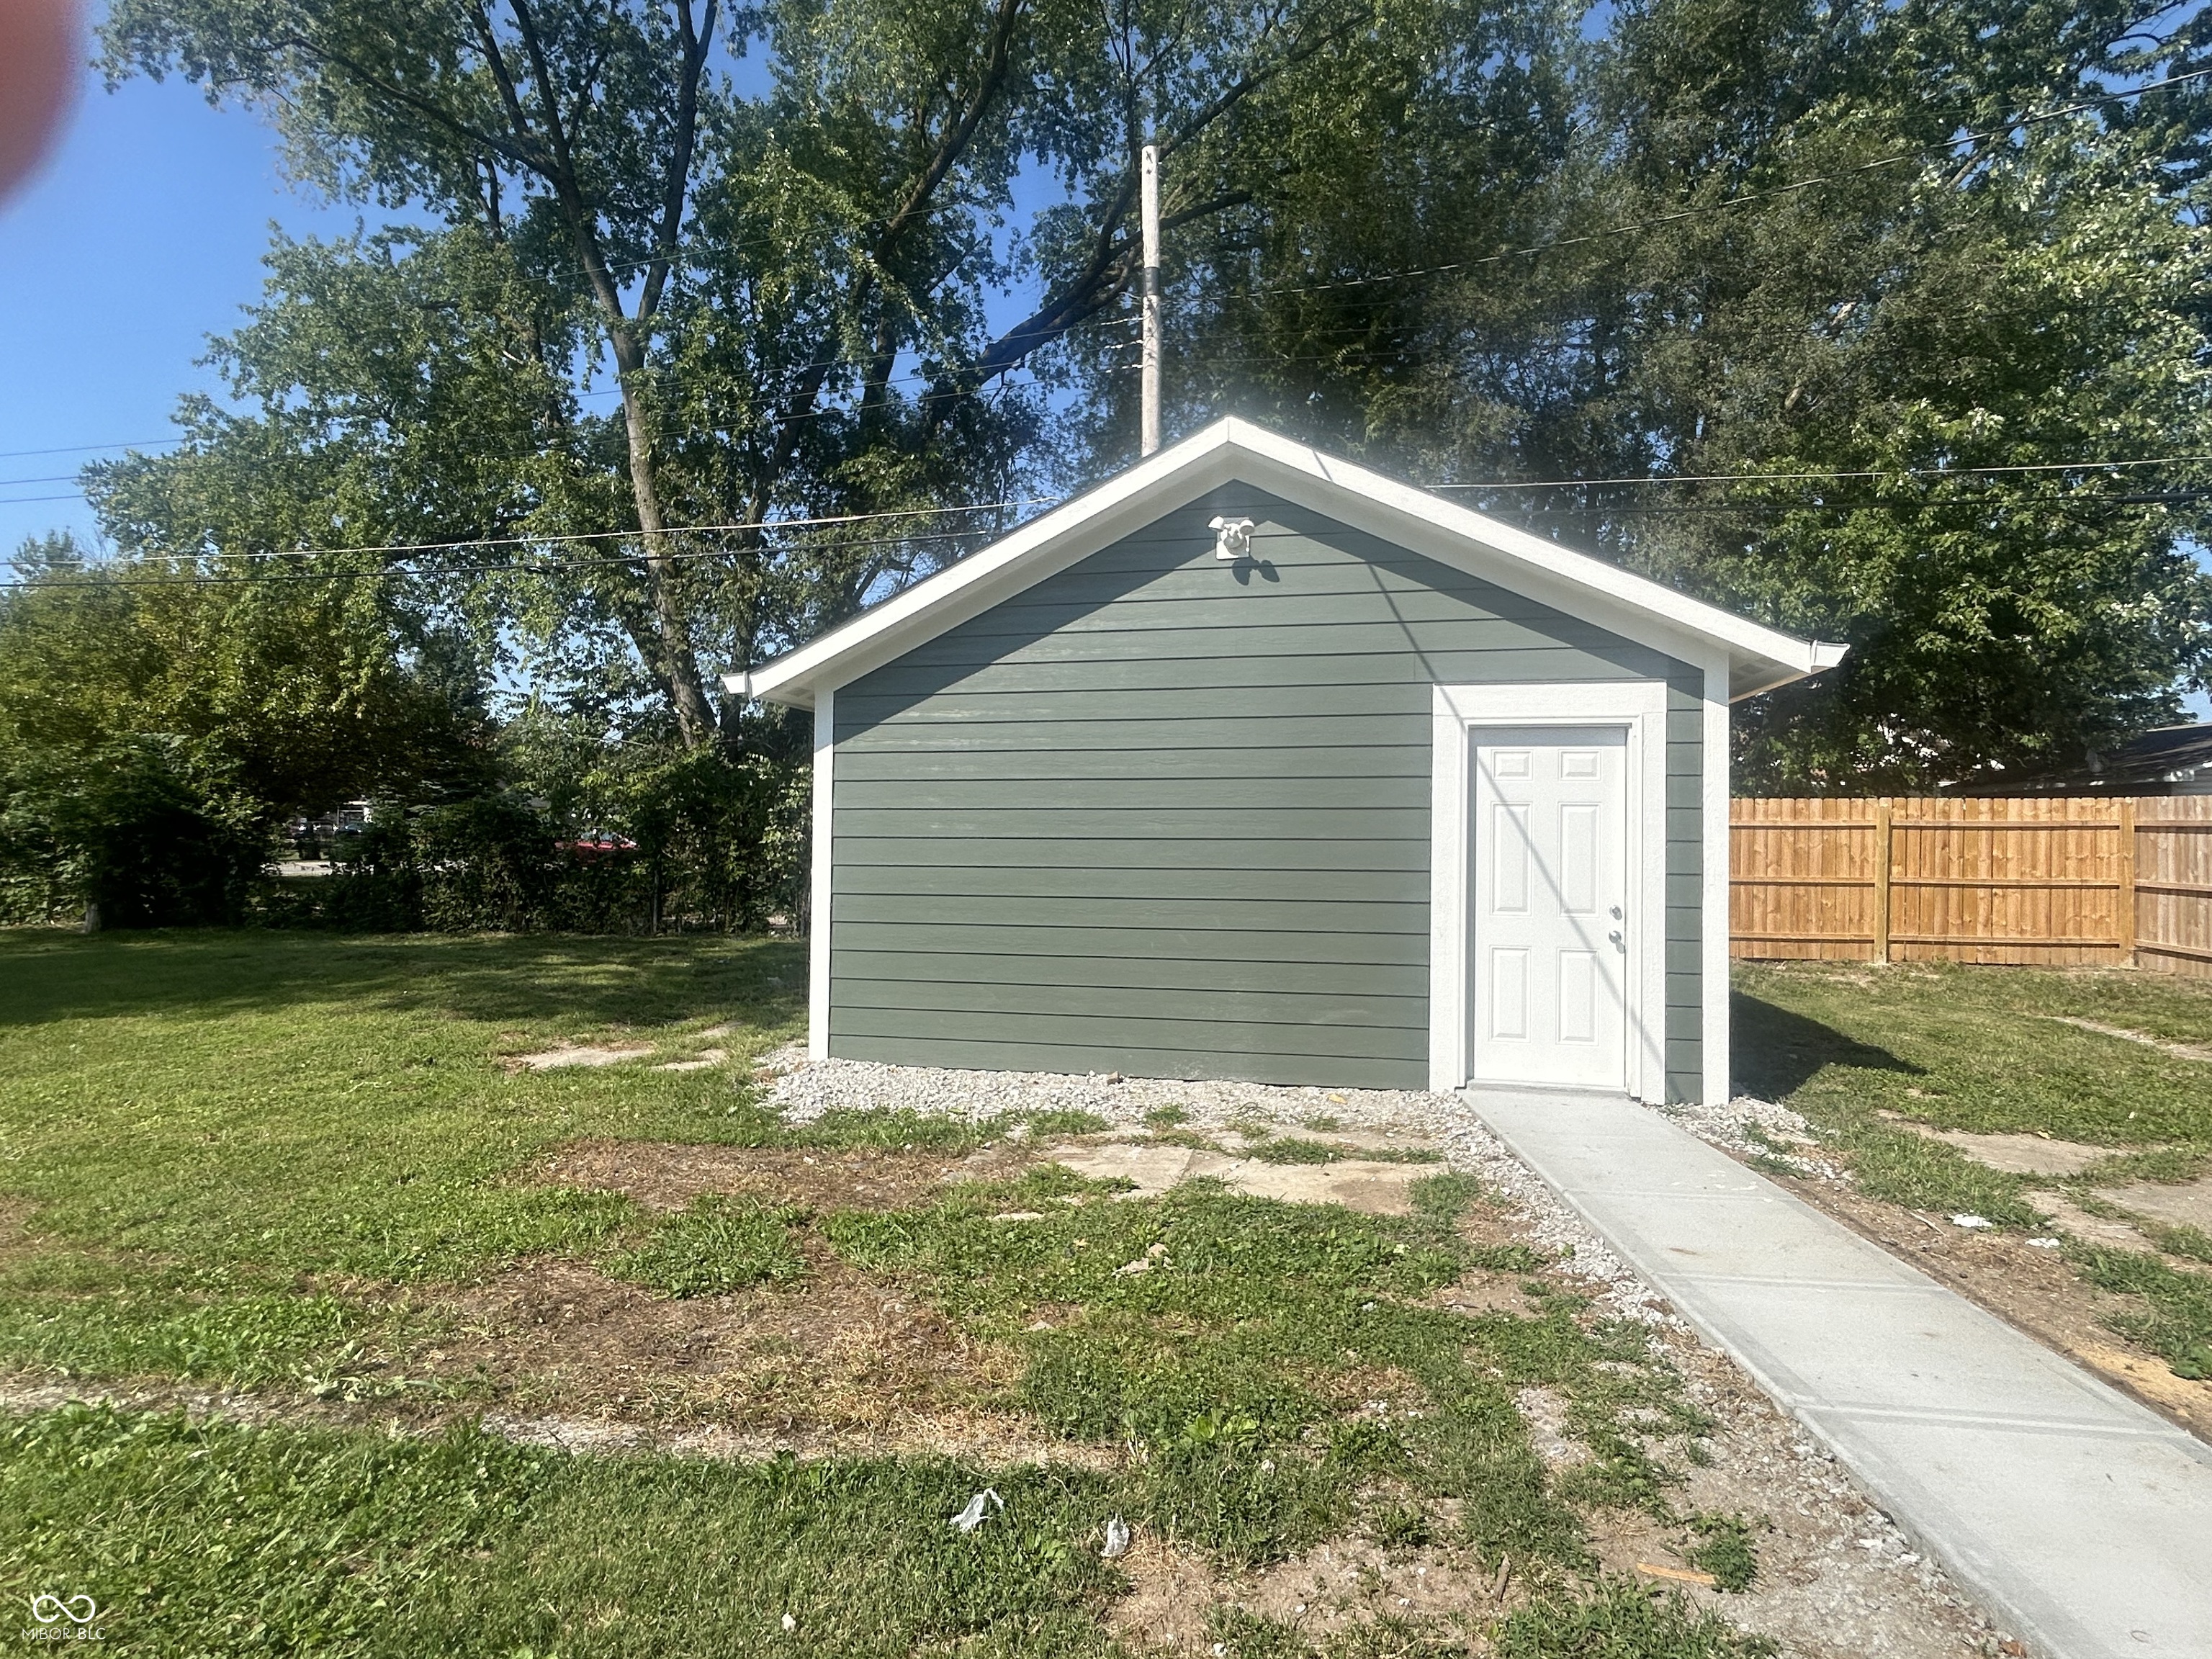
(1148, 290)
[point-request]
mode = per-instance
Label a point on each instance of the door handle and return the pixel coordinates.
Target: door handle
(1619, 944)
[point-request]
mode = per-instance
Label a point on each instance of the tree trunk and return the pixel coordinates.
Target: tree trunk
(674, 662)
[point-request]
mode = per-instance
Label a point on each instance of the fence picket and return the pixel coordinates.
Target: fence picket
(2054, 881)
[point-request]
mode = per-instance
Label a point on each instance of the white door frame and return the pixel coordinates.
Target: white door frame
(1640, 706)
(822, 876)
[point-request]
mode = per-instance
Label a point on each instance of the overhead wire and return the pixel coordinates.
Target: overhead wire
(1727, 205)
(1655, 222)
(97, 577)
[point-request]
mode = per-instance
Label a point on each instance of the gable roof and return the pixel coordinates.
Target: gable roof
(1759, 658)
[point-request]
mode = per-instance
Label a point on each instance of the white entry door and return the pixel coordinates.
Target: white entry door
(1549, 948)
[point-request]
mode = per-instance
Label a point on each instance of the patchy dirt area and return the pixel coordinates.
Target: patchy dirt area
(838, 1361)
(834, 1364)
(1357, 1184)
(1836, 1579)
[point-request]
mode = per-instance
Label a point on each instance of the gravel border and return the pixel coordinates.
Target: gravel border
(1752, 1127)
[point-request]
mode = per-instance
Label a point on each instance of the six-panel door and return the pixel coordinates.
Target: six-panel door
(1549, 936)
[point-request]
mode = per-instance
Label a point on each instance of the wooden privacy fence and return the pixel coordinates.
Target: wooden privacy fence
(2050, 881)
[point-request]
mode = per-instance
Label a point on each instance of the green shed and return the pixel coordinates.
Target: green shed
(1255, 763)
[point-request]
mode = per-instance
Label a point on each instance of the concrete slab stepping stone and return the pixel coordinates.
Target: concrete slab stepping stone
(2179, 1050)
(2186, 1205)
(2070, 1217)
(1153, 1168)
(554, 1059)
(708, 1057)
(1362, 1184)
(2021, 1154)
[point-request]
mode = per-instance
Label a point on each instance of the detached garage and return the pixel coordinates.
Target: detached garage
(1254, 763)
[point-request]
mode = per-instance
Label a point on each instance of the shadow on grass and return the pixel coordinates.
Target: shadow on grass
(1775, 1053)
(563, 979)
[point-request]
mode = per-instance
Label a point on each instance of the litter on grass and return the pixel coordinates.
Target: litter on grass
(978, 1506)
(2044, 1244)
(1971, 1221)
(1676, 1574)
(1117, 1539)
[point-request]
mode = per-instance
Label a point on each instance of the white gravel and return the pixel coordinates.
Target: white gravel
(1759, 1127)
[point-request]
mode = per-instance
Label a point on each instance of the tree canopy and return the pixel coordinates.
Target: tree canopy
(698, 328)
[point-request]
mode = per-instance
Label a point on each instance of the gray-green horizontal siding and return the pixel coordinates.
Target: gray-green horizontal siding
(1685, 863)
(1161, 815)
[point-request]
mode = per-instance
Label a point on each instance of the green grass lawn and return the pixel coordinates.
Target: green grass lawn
(217, 1133)
(261, 1160)
(1987, 1049)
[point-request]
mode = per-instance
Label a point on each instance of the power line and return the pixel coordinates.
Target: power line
(537, 567)
(2163, 498)
(1787, 478)
(770, 525)
(1005, 385)
(408, 549)
(80, 449)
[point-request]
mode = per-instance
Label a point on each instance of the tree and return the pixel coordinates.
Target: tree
(156, 729)
(1876, 252)
(789, 284)
(1859, 249)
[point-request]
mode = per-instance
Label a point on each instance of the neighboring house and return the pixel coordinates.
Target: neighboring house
(1254, 763)
(2173, 760)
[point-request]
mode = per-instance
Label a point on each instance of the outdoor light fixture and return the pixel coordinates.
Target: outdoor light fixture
(1232, 537)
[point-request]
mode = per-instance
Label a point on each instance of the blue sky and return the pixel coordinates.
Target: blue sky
(141, 237)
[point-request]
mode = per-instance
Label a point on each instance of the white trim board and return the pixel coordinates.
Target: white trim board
(1715, 759)
(822, 875)
(1640, 706)
(1758, 658)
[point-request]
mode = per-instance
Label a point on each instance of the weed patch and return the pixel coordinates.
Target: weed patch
(2177, 1325)
(1624, 1622)
(717, 1246)
(1293, 1148)
(1222, 1335)
(1727, 1551)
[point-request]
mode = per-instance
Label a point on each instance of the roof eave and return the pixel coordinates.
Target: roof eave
(1760, 659)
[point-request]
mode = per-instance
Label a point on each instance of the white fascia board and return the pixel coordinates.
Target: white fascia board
(1038, 549)
(1618, 600)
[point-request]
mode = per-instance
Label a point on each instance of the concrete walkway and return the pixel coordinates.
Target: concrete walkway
(2082, 1519)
